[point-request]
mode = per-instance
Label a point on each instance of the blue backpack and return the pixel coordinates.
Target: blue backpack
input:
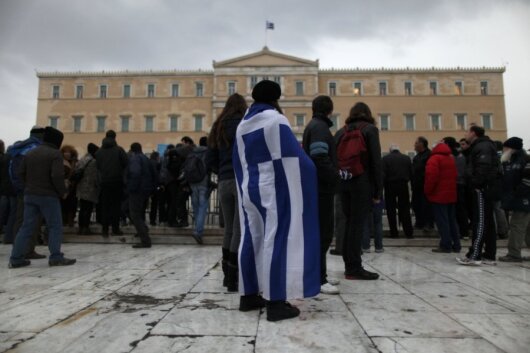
(17, 153)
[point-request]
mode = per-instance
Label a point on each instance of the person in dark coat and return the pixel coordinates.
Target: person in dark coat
(111, 161)
(17, 153)
(141, 181)
(219, 160)
(87, 189)
(440, 190)
(318, 143)
(43, 175)
(483, 178)
(156, 196)
(361, 192)
(420, 205)
(516, 195)
(397, 174)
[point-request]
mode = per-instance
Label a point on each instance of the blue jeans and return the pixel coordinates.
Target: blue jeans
(374, 225)
(199, 201)
(445, 218)
(50, 208)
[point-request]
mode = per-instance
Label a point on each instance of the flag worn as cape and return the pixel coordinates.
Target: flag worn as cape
(279, 253)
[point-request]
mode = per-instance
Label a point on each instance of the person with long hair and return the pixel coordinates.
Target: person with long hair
(219, 160)
(360, 191)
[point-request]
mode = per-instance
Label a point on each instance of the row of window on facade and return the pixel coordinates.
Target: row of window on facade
(435, 121)
(126, 123)
(357, 88)
(408, 88)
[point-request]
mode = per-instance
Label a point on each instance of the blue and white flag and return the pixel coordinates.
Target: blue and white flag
(269, 25)
(279, 253)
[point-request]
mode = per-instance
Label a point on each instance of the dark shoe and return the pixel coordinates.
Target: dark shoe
(117, 232)
(362, 274)
(34, 256)
(141, 245)
(510, 258)
(251, 302)
(394, 236)
(335, 252)
(182, 224)
(410, 236)
(441, 250)
(20, 264)
(105, 233)
(232, 278)
(62, 262)
(197, 238)
(280, 310)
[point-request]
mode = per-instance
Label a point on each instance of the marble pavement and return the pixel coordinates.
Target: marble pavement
(169, 299)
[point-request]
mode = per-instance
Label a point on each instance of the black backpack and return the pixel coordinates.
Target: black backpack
(193, 170)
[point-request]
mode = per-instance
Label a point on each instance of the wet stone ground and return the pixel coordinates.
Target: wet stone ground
(169, 299)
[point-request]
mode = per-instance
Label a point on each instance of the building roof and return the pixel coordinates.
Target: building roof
(267, 58)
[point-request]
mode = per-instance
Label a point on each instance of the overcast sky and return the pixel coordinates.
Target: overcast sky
(62, 35)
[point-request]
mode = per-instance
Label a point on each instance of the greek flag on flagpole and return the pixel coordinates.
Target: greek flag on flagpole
(269, 25)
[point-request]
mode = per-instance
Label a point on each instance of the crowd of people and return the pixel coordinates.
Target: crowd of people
(281, 203)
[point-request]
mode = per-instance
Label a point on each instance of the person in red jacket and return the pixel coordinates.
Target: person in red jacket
(440, 190)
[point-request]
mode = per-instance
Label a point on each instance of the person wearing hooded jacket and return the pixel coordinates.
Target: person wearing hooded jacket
(360, 193)
(319, 145)
(483, 179)
(43, 175)
(516, 196)
(440, 190)
(111, 161)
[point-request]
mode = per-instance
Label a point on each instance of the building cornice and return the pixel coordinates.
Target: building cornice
(414, 70)
(124, 73)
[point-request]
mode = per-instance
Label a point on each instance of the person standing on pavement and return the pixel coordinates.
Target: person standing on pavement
(199, 188)
(319, 145)
(440, 190)
(43, 175)
(483, 175)
(397, 174)
(277, 190)
(516, 195)
(422, 208)
(87, 189)
(17, 153)
(141, 181)
(219, 159)
(111, 161)
(361, 191)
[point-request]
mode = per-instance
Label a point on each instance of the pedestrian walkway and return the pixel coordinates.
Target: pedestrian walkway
(169, 299)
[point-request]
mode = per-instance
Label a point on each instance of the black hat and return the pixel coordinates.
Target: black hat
(53, 136)
(92, 149)
(514, 143)
(266, 91)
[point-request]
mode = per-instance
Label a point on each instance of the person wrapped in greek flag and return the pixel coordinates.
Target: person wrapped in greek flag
(279, 255)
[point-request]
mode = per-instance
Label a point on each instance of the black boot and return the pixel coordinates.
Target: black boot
(251, 302)
(224, 265)
(232, 273)
(281, 310)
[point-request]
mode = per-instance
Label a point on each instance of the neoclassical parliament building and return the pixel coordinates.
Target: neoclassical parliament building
(157, 108)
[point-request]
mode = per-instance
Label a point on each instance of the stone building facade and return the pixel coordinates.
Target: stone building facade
(156, 108)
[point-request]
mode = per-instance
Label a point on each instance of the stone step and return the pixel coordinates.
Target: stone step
(214, 236)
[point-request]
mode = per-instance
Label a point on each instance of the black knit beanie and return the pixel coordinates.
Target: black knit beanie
(514, 143)
(53, 136)
(266, 91)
